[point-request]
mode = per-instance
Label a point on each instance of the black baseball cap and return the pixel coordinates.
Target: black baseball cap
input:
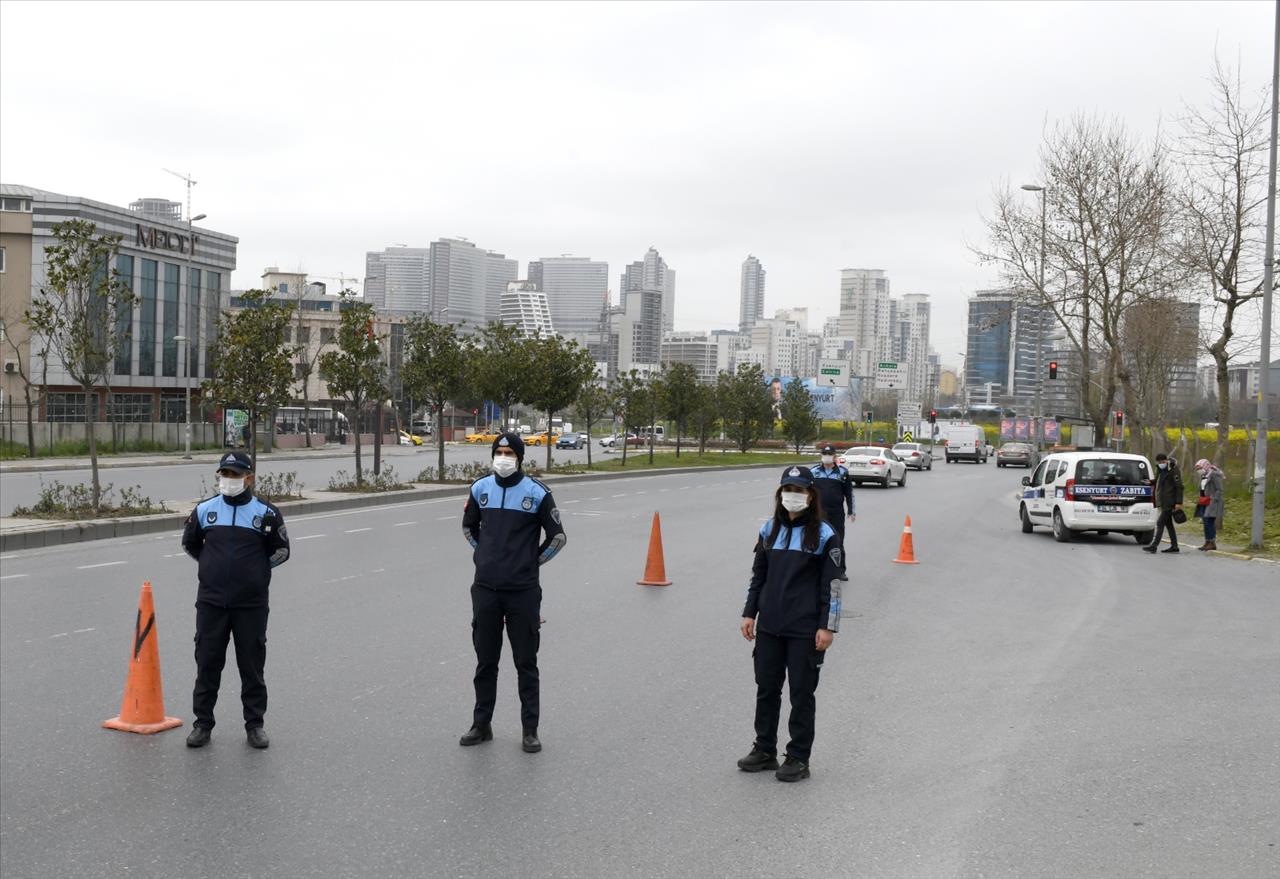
(236, 461)
(797, 476)
(828, 449)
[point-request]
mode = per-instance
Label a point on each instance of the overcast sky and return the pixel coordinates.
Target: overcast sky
(817, 137)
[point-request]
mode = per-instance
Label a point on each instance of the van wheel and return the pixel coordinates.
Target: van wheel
(1026, 519)
(1061, 532)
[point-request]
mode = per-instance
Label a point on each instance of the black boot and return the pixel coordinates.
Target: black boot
(1150, 547)
(481, 732)
(792, 770)
(199, 737)
(1173, 548)
(758, 761)
(530, 743)
(257, 737)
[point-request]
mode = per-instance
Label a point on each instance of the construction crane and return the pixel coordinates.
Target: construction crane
(187, 179)
(341, 278)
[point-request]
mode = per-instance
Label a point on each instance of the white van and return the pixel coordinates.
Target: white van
(1090, 491)
(966, 442)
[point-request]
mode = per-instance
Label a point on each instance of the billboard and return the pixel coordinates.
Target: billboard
(832, 403)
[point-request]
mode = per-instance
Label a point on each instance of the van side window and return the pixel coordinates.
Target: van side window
(1038, 478)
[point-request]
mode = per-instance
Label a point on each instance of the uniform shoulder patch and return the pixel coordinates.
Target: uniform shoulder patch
(837, 556)
(555, 515)
(211, 516)
(483, 500)
(257, 522)
(526, 503)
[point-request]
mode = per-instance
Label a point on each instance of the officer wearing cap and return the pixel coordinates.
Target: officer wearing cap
(792, 614)
(505, 519)
(237, 539)
(835, 488)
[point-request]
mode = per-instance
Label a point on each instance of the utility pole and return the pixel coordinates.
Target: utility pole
(186, 339)
(1260, 450)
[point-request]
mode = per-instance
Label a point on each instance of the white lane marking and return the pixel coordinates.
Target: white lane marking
(624, 494)
(664, 489)
(565, 503)
(174, 555)
(356, 530)
(308, 537)
(642, 492)
(378, 571)
(445, 518)
(59, 635)
(82, 631)
(402, 524)
(99, 565)
(592, 499)
(14, 576)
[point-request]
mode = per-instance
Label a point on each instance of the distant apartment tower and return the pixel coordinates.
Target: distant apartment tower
(864, 311)
(1004, 335)
(778, 345)
(751, 298)
(576, 289)
(909, 342)
(652, 273)
(640, 331)
(707, 354)
(467, 283)
(524, 307)
(398, 279)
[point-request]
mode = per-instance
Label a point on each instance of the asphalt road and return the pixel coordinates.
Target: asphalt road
(1011, 707)
(182, 483)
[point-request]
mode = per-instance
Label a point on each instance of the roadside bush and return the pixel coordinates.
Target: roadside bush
(385, 481)
(75, 502)
(466, 472)
(278, 487)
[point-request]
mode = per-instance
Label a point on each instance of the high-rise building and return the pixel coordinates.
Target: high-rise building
(524, 307)
(398, 279)
(707, 354)
(911, 341)
(1004, 335)
(467, 283)
(751, 298)
(640, 331)
(576, 288)
(779, 345)
(864, 311)
(653, 273)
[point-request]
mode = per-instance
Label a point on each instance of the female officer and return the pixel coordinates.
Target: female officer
(792, 612)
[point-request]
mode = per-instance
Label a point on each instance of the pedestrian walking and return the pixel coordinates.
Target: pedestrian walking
(835, 491)
(1209, 506)
(238, 539)
(505, 519)
(1168, 500)
(792, 614)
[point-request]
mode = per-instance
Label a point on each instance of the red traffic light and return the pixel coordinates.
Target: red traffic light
(1119, 417)
(1053, 369)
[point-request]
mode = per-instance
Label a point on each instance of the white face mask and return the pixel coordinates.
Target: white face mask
(505, 465)
(828, 460)
(794, 501)
(230, 487)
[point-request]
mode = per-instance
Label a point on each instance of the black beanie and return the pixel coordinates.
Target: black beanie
(511, 440)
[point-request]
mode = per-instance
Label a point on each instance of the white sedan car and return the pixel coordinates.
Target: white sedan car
(874, 464)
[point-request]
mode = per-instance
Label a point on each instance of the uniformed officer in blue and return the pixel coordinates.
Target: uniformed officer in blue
(835, 489)
(792, 613)
(237, 539)
(506, 516)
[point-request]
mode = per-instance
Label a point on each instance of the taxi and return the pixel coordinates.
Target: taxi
(1102, 491)
(486, 437)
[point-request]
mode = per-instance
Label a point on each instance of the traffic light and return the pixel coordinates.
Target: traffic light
(1119, 418)
(933, 416)
(868, 417)
(1053, 369)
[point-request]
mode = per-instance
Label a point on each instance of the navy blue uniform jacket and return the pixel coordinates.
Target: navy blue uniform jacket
(237, 541)
(504, 521)
(795, 591)
(835, 491)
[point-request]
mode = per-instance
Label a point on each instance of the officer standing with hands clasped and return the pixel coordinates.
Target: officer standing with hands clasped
(835, 490)
(505, 517)
(237, 539)
(792, 613)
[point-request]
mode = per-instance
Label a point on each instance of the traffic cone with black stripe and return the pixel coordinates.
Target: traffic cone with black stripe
(142, 710)
(906, 549)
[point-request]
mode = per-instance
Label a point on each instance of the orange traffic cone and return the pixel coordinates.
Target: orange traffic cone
(655, 571)
(142, 710)
(906, 550)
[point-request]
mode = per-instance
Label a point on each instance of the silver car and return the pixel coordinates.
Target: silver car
(874, 464)
(915, 455)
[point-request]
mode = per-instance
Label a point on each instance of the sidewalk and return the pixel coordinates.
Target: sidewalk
(162, 459)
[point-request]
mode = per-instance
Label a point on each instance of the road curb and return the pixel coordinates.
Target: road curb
(60, 533)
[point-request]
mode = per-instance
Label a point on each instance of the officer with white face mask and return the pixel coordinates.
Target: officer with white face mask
(835, 489)
(506, 515)
(238, 540)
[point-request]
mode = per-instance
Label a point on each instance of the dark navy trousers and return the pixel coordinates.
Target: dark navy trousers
(518, 611)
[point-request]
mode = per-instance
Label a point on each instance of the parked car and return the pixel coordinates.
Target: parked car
(1101, 491)
(874, 464)
(421, 428)
(572, 441)
(1021, 454)
(915, 455)
(612, 442)
(409, 439)
(541, 439)
(482, 437)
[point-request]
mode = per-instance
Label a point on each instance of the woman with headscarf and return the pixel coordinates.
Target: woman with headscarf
(1209, 505)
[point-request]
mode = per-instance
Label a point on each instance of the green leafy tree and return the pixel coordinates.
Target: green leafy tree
(747, 405)
(800, 421)
(704, 412)
(592, 404)
(435, 369)
(631, 391)
(75, 315)
(500, 367)
(558, 372)
(356, 371)
(308, 356)
(679, 386)
(252, 363)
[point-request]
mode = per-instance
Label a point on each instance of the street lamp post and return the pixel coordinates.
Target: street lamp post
(186, 347)
(1031, 187)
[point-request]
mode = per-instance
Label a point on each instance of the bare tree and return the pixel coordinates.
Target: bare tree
(24, 370)
(1105, 242)
(1222, 154)
(1157, 350)
(308, 353)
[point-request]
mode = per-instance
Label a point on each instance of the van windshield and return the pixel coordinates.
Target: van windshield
(1103, 471)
